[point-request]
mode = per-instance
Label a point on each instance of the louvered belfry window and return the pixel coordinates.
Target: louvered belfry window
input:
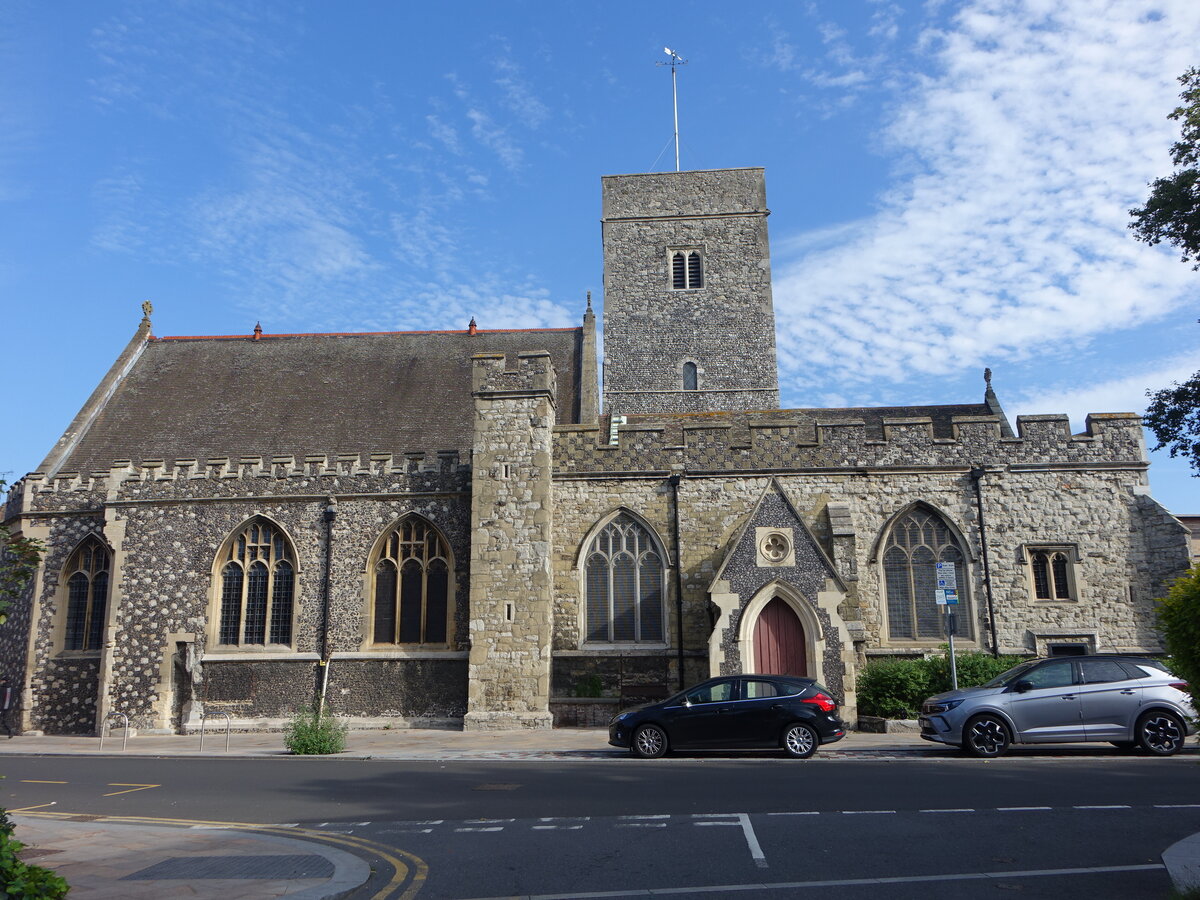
(87, 576)
(624, 585)
(258, 583)
(687, 269)
(917, 542)
(412, 586)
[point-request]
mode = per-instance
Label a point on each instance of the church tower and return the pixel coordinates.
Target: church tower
(688, 320)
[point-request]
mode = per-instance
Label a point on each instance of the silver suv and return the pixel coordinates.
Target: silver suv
(1130, 701)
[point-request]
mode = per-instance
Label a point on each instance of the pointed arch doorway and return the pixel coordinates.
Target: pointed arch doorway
(780, 645)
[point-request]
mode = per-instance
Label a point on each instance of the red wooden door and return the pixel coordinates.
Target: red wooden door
(779, 645)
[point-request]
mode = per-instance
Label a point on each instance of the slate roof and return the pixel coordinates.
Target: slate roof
(873, 416)
(398, 392)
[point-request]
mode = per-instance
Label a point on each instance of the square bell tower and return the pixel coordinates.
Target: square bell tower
(689, 324)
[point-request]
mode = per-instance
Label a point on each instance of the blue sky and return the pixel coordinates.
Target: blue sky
(949, 182)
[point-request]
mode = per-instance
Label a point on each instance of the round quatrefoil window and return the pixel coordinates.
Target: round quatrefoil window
(775, 547)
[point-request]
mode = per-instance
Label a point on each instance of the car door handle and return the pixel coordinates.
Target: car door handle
(777, 706)
(1127, 693)
(724, 709)
(1068, 696)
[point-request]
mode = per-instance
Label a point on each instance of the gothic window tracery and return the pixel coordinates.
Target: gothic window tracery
(623, 591)
(1051, 569)
(87, 580)
(917, 542)
(257, 587)
(411, 590)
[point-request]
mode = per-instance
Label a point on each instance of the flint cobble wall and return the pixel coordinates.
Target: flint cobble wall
(726, 327)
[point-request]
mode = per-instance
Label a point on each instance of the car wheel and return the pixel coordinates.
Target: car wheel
(1160, 733)
(986, 737)
(800, 741)
(649, 742)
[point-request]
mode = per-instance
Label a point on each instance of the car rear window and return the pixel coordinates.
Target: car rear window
(797, 687)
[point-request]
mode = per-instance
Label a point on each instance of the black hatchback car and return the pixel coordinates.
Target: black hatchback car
(734, 712)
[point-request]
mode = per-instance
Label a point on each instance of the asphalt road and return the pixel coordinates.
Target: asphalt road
(708, 827)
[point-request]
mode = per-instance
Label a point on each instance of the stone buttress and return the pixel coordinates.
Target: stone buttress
(511, 587)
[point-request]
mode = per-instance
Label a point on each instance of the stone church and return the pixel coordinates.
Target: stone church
(432, 527)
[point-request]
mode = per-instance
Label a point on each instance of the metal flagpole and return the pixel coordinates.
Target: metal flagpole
(676, 60)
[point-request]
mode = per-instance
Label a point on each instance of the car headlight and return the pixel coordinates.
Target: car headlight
(942, 706)
(620, 717)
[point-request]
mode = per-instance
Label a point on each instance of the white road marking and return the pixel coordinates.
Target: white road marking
(487, 821)
(644, 817)
(963, 809)
(1113, 806)
(557, 827)
(565, 819)
(715, 815)
(1021, 808)
(641, 825)
(848, 882)
(733, 824)
(1177, 805)
(868, 812)
(752, 841)
(493, 828)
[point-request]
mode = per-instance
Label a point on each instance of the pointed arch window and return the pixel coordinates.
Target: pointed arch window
(257, 582)
(623, 589)
(687, 269)
(87, 580)
(918, 541)
(411, 586)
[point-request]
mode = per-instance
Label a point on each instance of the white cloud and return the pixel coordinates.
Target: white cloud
(1126, 393)
(1022, 152)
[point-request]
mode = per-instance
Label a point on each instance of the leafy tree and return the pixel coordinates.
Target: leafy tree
(19, 558)
(1172, 212)
(1179, 614)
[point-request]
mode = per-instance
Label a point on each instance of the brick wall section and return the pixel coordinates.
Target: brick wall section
(512, 511)
(727, 327)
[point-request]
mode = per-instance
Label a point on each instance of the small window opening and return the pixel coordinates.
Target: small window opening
(1067, 649)
(509, 611)
(689, 376)
(687, 270)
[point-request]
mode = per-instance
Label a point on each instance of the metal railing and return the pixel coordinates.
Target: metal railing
(204, 720)
(122, 717)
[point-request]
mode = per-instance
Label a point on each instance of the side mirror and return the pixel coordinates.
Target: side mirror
(1022, 686)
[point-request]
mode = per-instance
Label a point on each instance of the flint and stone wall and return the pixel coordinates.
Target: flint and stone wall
(726, 328)
(167, 526)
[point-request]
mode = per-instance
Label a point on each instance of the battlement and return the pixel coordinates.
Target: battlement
(533, 373)
(123, 474)
(713, 443)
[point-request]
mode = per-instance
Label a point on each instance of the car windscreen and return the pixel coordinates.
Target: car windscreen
(1004, 677)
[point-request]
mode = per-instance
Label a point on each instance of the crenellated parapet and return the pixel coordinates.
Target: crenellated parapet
(533, 373)
(234, 476)
(720, 443)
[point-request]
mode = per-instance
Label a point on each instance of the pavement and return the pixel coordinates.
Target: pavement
(131, 859)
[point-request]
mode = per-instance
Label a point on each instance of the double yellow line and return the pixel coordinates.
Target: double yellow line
(408, 871)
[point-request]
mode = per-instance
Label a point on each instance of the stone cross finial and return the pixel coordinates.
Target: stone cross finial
(987, 378)
(589, 301)
(147, 308)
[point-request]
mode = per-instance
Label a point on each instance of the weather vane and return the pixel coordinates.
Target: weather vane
(676, 60)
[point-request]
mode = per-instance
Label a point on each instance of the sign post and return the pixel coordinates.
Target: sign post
(947, 598)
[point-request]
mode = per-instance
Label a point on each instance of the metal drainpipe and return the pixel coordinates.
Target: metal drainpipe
(326, 590)
(674, 482)
(976, 476)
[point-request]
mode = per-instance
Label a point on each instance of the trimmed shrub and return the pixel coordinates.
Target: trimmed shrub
(310, 734)
(895, 688)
